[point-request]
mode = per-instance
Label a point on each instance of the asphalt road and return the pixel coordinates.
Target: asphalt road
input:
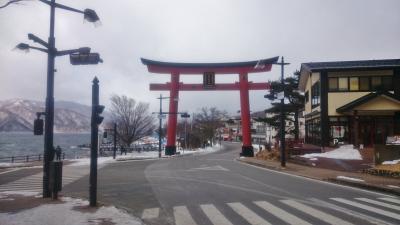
(216, 189)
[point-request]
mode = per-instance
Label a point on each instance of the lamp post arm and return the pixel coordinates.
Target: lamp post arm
(61, 6)
(36, 39)
(71, 51)
(39, 49)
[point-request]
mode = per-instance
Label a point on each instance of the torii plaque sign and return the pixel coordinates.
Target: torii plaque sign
(209, 70)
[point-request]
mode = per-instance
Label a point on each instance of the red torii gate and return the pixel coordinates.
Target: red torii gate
(209, 70)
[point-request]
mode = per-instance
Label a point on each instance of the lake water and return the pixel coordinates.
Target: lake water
(20, 144)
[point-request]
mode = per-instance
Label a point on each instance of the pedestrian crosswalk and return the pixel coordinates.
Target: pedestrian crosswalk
(34, 182)
(287, 211)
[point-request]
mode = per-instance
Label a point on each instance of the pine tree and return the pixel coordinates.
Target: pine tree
(291, 109)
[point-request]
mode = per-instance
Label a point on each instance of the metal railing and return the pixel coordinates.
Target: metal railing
(24, 158)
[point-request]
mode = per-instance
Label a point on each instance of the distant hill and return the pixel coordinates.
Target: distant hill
(19, 114)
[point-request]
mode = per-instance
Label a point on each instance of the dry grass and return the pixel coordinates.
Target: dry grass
(268, 155)
(393, 168)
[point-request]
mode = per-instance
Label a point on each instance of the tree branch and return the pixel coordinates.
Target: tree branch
(11, 2)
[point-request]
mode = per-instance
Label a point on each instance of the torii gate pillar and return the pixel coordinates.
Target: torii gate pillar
(209, 70)
(170, 148)
(247, 147)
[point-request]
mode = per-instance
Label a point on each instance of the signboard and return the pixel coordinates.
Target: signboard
(162, 116)
(209, 80)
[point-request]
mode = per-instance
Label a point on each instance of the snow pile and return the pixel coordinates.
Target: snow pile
(393, 162)
(349, 178)
(86, 161)
(206, 150)
(343, 152)
(70, 211)
(6, 165)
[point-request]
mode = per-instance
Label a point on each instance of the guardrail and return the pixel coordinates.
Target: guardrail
(24, 158)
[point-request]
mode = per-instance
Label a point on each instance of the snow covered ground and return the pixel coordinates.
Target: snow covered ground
(393, 162)
(142, 155)
(128, 156)
(67, 211)
(343, 152)
(349, 178)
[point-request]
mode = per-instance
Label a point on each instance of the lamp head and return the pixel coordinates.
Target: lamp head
(22, 47)
(91, 16)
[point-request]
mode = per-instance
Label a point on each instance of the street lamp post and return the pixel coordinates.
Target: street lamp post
(52, 52)
(282, 114)
(160, 115)
(160, 125)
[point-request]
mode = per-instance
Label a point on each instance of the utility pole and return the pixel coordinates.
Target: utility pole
(96, 120)
(115, 141)
(160, 115)
(282, 114)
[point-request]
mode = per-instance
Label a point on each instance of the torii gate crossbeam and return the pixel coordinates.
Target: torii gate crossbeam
(240, 68)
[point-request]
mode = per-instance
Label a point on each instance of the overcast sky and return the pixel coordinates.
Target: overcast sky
(189, 31)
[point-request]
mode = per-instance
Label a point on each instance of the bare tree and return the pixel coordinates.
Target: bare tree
(133, 119)
(207, 121)
(11, 2)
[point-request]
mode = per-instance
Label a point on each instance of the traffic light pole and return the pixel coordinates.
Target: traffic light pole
(94, 144)
(49, 118)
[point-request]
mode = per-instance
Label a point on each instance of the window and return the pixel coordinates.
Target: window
(343, 84)
(376, 83)
(315, 95)
(387, 83)
(333, 84)
(307, 96)
(364, 84)
(339, 130)
(313, 131)
(354, 84)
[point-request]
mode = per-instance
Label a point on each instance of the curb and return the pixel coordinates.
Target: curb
(364, 186)
(332, 180)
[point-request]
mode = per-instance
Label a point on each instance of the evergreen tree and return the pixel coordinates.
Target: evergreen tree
(291, 109)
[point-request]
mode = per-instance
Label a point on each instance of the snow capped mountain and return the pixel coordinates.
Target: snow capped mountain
(19, 114)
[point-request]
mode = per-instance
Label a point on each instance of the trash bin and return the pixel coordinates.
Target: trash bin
(55, 182)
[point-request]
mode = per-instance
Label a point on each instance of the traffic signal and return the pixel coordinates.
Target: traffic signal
(98, 109)
(38, 126)
(85, 58)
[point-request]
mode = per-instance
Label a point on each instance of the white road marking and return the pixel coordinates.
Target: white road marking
(210, 168)
(35, 182)
(151, 213)
(390, 206)
(182, 216)
(394, 200)
(368, 208)
(247, 214)
(214, 215)
(281, 214)
(352, 213)
(312, 179)
(315, 213)
(9, 171)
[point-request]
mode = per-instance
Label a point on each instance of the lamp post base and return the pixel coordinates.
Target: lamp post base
(170, 150)
(247, 151)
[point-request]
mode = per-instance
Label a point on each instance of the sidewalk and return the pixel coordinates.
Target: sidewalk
(20, 208)
(357, 179)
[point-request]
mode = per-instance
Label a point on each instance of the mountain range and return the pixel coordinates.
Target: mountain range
(19, 114)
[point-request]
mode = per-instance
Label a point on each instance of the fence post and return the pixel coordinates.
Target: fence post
(40, 157)
(27, 158)
(12, 159)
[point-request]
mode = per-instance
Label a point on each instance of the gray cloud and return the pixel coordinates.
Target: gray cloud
(190, 31)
